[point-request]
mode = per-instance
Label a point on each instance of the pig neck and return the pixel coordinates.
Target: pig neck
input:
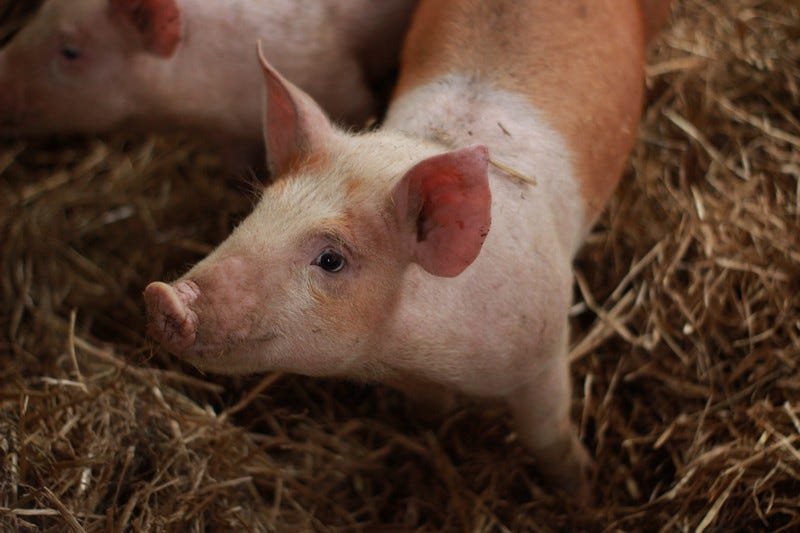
(554, 90)
(508, 307)
(457, 110)
(576, 66)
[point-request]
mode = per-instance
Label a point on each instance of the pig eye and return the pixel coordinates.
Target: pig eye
(330, 261)
(70, 52)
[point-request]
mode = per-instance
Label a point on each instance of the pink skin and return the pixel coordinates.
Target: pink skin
(418, 303)
(409, 305)
(371, 257)
(96, 65)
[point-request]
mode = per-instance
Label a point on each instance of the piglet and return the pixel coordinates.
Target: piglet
(94, 65)
(372, 257)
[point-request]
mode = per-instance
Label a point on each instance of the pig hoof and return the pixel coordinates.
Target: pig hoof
(570, 469)
(171, 322)
(580, 470)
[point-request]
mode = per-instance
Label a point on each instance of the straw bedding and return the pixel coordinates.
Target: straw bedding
(686, 336)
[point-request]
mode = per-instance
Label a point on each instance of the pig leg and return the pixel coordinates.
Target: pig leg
(541, 413)
(430, 402)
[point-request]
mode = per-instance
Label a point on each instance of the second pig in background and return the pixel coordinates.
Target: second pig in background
(434, 254)
(95, 65)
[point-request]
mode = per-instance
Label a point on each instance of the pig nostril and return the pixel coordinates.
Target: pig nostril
(171, 321)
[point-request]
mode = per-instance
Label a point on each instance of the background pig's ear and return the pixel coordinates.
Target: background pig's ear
(157, 22)
(446, 204)
(295, 128)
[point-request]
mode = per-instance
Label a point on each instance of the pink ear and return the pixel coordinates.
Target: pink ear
(158, 22)
(295, 128)
(447, 199)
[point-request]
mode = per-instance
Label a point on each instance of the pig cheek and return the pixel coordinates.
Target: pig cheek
(283, 333)
(226, 318)
(353, 311)
(315, 329)
(240, 303)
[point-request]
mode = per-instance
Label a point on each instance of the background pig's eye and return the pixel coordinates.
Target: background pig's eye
(330, 261)
(70, 52)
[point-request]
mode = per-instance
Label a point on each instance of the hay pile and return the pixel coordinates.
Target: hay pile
(686, 337)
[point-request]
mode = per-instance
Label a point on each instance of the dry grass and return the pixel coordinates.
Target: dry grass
(686, 331)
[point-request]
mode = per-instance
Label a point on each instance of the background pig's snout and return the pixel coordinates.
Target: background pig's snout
(171, 321)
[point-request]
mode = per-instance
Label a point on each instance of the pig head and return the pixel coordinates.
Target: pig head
(71, 68)
(95, 65)
(311, 280)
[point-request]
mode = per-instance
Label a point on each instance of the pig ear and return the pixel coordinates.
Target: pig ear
(445, 203)
(157, 22)
(295, 128)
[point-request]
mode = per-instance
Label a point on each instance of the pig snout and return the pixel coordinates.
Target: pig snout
(171, 320)
(205, 312)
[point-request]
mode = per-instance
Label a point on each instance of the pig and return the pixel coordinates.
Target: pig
(97, 65)
(372, 258)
